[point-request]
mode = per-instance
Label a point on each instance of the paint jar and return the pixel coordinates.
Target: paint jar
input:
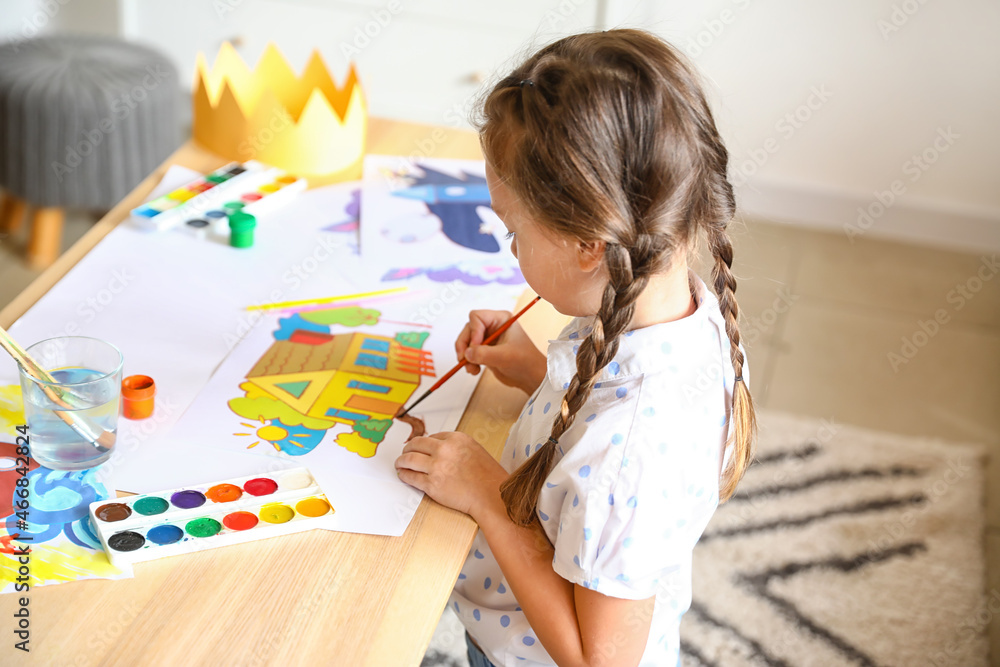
(138, 392)
(72, 419)
(241, 226)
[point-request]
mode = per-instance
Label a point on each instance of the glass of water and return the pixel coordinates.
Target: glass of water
(73, 421)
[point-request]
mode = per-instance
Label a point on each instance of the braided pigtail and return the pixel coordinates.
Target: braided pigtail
(743, 416)
(520, 491)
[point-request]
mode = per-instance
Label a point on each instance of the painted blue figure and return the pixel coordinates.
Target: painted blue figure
(454, 201)
(59, 501)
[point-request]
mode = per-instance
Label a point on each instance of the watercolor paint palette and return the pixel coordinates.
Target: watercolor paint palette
(204, 516)
(207, 200)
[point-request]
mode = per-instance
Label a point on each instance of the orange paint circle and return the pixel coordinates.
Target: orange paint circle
(240, 521)
(276, 513)
(288, 179)
(224, 493)
(312, 507)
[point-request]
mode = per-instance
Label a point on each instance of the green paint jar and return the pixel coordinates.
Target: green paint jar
(241, 226)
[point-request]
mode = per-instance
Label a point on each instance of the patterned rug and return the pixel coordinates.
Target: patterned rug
(842, 547)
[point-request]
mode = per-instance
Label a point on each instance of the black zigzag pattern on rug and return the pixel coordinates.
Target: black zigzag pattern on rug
(757, 583)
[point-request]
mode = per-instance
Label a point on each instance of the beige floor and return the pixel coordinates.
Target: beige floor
(822, 316)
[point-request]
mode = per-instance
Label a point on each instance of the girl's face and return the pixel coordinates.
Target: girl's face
(566, 272)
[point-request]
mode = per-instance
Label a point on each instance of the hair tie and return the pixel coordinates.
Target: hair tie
(527, 82)
(738, 379)
(553, 440)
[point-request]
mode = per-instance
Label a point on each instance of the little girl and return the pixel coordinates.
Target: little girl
(605, 165)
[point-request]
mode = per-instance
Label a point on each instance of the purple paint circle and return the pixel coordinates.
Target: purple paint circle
(187, 499)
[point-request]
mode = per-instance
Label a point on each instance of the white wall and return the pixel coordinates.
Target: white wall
(895, 75)
(823, 105)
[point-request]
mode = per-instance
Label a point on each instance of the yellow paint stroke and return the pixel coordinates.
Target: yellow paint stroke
(353, 442)
(55, 564)
(11, 409)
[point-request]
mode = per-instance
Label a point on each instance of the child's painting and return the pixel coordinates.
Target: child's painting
(320, 387)
(432, 217)
(52, 522)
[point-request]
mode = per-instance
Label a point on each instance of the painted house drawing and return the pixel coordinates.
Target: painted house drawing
(344, 378)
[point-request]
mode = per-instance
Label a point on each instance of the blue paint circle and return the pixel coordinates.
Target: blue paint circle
(165, 534)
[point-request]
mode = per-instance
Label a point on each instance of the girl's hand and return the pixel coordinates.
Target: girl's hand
(513, 358)
(453, 469)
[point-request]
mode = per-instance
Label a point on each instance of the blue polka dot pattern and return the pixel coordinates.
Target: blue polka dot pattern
(545, 517)
(501, 589)
(574, 335)
(529, 641)
(591, 418)
(475, 614)
(576, 500)
(545, 410)
(627, 542)
(633, 501)
(667, 348)
(461, 576)
(527, 450)
(585, 471)
(621, 392)
(614, 367)
(550, 485)
(611, 499)
(586, 533)
(617, 438)
(478, 554)
(648, 412)
(576, 561)
(487, 583)
(457, 610)
(505, 620)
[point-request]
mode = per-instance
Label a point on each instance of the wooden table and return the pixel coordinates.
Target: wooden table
(315, 598)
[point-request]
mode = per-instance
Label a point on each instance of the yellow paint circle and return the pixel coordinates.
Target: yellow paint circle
(312, 507)
(276, 513)
(272, 433)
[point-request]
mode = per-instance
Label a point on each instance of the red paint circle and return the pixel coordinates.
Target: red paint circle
(240, 521)
(252, 196)
(260, 486)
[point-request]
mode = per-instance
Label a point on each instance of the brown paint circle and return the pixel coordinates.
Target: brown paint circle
(113, 512)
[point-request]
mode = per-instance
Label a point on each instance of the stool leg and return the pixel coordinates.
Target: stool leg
(11, 214)
(46, 237)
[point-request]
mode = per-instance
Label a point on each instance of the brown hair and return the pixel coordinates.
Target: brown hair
(608, 137)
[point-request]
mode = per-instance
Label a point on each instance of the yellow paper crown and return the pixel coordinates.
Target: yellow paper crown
(305, 125)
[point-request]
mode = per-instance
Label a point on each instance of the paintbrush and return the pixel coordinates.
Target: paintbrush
(460, 365)
(103, 441)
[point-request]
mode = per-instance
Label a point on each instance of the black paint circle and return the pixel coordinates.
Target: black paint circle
(197, 223)
(126, 541)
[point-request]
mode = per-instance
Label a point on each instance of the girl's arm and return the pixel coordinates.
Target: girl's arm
(577, 626)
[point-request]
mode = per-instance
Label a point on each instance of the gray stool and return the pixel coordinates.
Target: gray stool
(83, 120)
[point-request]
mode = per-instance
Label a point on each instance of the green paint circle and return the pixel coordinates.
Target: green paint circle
(204, 527)
(151, 505)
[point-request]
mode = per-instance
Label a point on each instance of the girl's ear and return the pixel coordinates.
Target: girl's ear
(590, 255)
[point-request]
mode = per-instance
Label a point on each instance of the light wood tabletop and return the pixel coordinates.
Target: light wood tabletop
(314, 598)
